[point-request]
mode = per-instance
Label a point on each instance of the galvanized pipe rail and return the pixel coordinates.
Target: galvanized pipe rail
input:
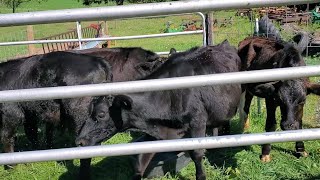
(80, 39)
(158, 84)
(159, 146)
(99, 39)
(140, 10)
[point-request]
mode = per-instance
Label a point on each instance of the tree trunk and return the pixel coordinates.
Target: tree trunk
(13, 6)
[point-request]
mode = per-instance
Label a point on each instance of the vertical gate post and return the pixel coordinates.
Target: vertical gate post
(30, 37)
(79, 34)
(209, 28)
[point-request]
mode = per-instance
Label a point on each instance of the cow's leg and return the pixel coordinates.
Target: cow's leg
(215, 131)
(31, 130)
(244, 109)
(226, 129)
(85, 172)
(77, 110)
(196, 156)
(49, 135)
(7, 139)
(141, 165)
(269, 127)
(198, 129)
(11, 118)
(142, 161)
(300, 151)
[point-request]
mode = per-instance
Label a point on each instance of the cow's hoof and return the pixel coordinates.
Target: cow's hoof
(265, 158)
(302, 154)
(246, 123)
(137, 177)
(201, 177)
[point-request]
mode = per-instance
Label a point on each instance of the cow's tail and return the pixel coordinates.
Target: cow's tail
(302, 40)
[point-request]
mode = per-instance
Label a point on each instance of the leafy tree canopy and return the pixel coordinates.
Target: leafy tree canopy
(16, 3)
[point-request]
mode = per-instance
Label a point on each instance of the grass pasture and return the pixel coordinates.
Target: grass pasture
(228, 163)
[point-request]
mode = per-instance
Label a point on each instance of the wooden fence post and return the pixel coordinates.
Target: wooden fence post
(209, 28)
(106, 28)
(30, 37)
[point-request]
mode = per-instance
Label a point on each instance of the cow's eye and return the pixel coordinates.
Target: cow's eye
(101, 115)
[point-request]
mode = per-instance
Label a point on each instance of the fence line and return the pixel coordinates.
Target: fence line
(151, 85)
(159, 146)
(100, 39)
(158, 84)
(130, 11)
(80, 38)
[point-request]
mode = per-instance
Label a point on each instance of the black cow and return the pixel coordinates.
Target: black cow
(127, 63)
(175, 113)
(49, 70)
(262, 53)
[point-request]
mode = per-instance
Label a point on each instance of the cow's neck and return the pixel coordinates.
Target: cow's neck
(158, 117)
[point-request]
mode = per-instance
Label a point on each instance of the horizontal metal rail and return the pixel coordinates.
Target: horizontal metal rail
(100, 39)
(130, 11)
(158, 84)
(159, 146)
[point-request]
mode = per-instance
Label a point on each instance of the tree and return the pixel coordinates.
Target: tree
(15, 3)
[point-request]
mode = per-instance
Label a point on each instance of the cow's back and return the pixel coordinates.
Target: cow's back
(220, 101)
(53, 69)
(15, 74)
(125, 62)
(66, 69)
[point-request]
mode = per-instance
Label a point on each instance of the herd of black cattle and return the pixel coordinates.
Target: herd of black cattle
(167, 114)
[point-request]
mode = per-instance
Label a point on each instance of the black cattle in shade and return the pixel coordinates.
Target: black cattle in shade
(174, 113)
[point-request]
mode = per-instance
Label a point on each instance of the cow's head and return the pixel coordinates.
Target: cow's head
(105, 120)
(99, 126)
(290, 95)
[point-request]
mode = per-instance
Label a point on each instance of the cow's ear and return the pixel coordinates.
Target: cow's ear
(225, 44)
(123, 102)
(109, 100)
(248, 52)
(313, 88)
(147, 66)
(119, 102)
(172, 51)
(94, 101)
(266, 90)
(289, 56)
(90, 109)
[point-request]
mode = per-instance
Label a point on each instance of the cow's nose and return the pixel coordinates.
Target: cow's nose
(288, 126)
(81, 142)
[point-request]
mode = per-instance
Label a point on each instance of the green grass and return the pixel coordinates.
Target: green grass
(227, 163)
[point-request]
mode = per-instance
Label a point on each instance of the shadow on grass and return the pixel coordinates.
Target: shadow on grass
(120, 168)
(225, 157)
(115, 168)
